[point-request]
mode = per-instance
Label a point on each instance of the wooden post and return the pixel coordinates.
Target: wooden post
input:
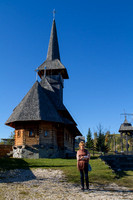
(126, 142)
(121, 141)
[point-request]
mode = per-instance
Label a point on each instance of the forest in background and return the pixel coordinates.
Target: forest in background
(104, 141)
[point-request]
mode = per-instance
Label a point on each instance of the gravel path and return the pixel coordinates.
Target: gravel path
(44, 184)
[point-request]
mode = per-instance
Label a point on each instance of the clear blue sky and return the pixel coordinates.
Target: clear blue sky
(96, 46)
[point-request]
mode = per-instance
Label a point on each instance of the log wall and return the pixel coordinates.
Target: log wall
(47, 134)
(51, 140)
(44, 133)
(68, 140)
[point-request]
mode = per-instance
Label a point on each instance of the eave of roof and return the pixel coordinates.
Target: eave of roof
(125, 128)
(54, 65)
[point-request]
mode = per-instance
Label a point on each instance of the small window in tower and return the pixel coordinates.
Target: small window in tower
(31, 134)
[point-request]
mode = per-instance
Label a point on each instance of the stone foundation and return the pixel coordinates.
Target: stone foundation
(41, 151)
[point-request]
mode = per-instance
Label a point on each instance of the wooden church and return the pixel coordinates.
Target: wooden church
(43, 126)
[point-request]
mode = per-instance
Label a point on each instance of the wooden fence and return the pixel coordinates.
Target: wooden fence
(4, 149)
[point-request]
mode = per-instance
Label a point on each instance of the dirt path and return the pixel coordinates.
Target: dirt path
(49, 184)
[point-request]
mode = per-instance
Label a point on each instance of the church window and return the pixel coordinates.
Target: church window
(45, 133)
(31, 133)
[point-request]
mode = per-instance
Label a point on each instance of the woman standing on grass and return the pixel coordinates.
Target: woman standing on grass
(83, 157)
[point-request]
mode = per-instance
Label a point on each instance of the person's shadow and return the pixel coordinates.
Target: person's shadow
(15, 170)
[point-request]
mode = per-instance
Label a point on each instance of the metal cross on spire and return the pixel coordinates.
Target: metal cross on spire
(126, 114)
(54, 14)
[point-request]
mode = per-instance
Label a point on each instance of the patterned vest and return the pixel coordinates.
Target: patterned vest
(82, 163)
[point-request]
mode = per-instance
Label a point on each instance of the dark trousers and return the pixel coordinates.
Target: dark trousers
(83, 173)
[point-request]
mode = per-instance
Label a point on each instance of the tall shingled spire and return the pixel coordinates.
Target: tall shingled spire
(52, 65)
(53, 48)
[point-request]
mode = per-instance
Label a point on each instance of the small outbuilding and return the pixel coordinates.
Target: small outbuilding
(126, 131)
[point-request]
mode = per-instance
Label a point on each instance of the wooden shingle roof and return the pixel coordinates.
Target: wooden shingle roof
(126, 126)
(40, 103)
(36, 105)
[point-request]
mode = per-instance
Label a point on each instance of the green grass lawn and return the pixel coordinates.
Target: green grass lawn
(100, 174)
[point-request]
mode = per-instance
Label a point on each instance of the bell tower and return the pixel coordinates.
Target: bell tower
(52, 69)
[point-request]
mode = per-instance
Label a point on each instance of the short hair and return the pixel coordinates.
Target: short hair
(81, 143)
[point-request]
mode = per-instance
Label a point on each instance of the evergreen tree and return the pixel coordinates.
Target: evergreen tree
(12, 136)
(95, 138)
(89, 143)
(100, 144)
